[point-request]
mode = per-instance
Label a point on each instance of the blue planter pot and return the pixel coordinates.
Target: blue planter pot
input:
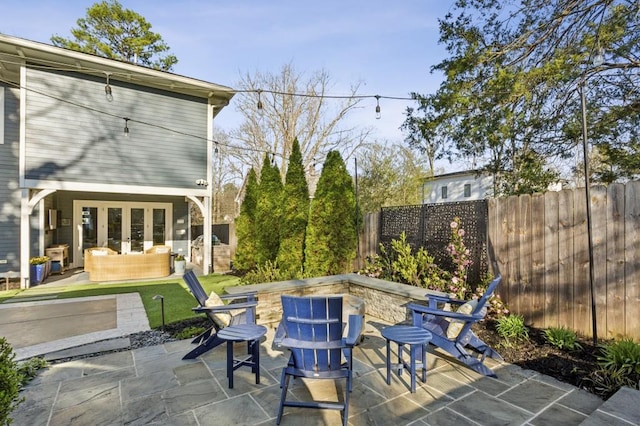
(37, 273)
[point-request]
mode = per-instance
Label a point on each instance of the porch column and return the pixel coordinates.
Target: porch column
(25, 215)
(206, 262)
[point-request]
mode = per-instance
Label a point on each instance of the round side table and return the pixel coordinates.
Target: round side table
(417, 338)
(250, 333)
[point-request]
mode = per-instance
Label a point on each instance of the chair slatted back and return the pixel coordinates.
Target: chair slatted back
(482, 301)
(318, 320)
(195, 287)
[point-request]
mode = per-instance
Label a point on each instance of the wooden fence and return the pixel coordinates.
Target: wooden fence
(539, 243)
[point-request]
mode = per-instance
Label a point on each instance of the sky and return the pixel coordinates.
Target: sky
(387, 46)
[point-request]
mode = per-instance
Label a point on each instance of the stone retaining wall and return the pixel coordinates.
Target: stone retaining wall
(385, 300)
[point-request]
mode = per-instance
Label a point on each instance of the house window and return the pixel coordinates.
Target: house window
(467, 190)
(444, 192)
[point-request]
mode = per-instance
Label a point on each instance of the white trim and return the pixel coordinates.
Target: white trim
(115, 189)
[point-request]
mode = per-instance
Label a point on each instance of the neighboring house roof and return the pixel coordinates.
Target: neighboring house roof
(454, 174)
(14, 51)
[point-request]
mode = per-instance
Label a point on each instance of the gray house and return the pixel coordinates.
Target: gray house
(98, 152)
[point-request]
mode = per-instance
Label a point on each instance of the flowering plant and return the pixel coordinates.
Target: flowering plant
(460, 255)
(38, 260)
(180, 257)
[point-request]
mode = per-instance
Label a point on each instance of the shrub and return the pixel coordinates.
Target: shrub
(10, 382)
(331, 238)
(295, 213)
(562, 338)
(621, 356)
(512, 328)
(619, 366)
(245, 226)
(268, 272)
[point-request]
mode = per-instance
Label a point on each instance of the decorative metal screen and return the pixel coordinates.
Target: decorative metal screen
(429, 226)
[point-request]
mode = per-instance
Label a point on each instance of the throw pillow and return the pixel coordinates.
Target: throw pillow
(222, 319)
(455, 325)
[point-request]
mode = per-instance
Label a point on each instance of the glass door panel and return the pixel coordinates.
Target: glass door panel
(159, 226)
(114, 228)
(89, 228)
(137, 231)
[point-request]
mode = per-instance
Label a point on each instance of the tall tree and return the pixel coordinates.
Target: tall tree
(268, 212)
(510, 82)
(113, 32)
(390, 175)
(246, 226)
(295, 213)
(293, 107)
(331, 240)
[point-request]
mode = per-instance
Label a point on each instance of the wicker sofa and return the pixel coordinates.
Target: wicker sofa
(104, 264)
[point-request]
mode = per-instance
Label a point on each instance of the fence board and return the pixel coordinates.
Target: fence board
(537, 260)
(511, 285)
(632, 260)
(599, 239)
(551, 256)
(581, 301)
(565, 258)
(524, 260)
(614, 264)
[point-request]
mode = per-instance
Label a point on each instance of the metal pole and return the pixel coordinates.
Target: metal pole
(355, 161)
(587, 191)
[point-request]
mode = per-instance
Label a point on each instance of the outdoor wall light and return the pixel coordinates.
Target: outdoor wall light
(161, 299)
(202, 182)
(107, 88)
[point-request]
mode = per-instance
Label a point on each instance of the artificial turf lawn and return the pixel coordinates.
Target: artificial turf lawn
(178, 301)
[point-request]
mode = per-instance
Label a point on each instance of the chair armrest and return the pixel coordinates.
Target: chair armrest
(247, 295)
(279, 336)
(435, 299)
(421, 309)
(355, 326)
(225, 308)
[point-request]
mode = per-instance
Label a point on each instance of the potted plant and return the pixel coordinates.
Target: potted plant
(179, 264)
(39, 269)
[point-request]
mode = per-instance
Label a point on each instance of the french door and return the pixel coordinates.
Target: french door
(126, 227)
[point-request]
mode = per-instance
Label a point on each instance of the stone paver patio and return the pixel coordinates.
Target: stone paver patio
(154, 385)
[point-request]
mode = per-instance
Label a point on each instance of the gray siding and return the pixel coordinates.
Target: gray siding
(9, 191)
(74, 134)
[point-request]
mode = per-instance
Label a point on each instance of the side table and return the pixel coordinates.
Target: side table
(417, 338)
(250, 333)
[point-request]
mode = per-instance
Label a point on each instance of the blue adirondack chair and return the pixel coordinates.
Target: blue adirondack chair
(312, 329)
(438, 321)
(220, 314)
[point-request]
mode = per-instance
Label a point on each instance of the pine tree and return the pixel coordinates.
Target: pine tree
(295, 213)
(331, 239)
(245, 226)
(268, 213)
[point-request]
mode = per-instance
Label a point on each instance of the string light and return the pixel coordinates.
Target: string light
(126, 126)
(231, 146)
(216, 150)
(259, 100)
(378, 115)
(107, 89)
